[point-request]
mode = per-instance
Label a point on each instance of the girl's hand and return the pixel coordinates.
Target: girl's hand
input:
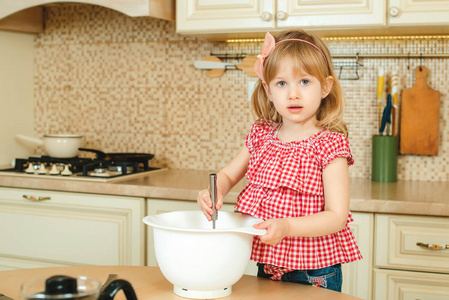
(205, 203)
(277, 229)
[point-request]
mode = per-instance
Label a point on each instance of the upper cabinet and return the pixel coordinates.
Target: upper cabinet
(224, 16)
(330, 14)
(418, 12)
(220, 19)
(220, 16)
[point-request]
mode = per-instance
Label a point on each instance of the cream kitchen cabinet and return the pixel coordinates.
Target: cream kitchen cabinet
(240, 16)
(411, 257)
(357, 276)
(330, 14)
(418, 12)
(224, 16)
(45, 228)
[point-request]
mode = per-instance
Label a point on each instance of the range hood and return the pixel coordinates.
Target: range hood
(27, 15)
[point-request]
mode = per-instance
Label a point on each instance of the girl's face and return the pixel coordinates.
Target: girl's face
(296, 95)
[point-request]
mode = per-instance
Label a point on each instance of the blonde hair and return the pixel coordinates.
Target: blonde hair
(310, 60)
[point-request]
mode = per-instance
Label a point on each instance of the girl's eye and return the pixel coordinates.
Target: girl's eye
(304, 82)
(281, 83)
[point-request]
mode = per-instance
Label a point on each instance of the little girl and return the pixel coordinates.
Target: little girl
(296, 160)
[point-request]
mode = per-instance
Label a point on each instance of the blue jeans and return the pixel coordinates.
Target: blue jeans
(329, 277)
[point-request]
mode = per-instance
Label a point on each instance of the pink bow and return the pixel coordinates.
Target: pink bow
(268, 47)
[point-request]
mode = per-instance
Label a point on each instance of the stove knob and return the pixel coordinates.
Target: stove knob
(30, 169)
(66, 171)
(42, 169)
(54, 170)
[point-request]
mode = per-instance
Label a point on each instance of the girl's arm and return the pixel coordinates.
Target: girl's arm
(331, 220)
(226, 179)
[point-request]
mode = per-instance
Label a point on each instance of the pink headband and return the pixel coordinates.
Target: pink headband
(268, 47)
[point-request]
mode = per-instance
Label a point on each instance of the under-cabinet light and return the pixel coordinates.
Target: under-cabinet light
(361, 38)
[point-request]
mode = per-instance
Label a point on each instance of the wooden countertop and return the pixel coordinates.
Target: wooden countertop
(402, 197)
(149, 283)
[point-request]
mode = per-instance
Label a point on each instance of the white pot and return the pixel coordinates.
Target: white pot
(58, 145)
(199, 261)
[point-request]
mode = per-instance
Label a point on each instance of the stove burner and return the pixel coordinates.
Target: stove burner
(85, 167)
(100, 170)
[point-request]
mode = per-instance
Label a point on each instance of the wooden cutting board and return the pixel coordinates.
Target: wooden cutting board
(420, 113)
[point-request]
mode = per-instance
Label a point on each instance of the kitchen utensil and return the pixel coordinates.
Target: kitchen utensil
(419, 117)
(215, 66)
(199, 261)
(57, 145)
(118, 156)
(380, 90)
(81, 288)
(208, 63)
(247, 65)
(386, 115)
(213, 196)
(394, 107)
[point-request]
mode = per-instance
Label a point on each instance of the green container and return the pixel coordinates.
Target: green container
(385, 158)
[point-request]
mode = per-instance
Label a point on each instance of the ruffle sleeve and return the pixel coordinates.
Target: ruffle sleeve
(258, 135)
(334, 145)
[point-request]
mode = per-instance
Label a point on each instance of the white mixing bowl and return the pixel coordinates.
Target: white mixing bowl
(199, 261)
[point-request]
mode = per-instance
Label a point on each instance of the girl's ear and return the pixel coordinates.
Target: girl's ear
(267, 90)
(328, 83)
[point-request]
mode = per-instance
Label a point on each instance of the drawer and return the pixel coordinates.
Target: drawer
(408, 285)
(66, 229)
(397, 238)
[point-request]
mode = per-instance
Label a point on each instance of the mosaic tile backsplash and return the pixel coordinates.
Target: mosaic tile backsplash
(129, 85)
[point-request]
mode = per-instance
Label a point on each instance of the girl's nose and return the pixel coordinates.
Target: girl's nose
(294, 94)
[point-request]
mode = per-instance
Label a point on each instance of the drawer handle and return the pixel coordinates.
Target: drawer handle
(32, 198)
(432, 246)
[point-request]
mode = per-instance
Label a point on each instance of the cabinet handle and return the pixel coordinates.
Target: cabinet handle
(32, 198)
(266, 16)
(394, 11)
(281, 15)
(432, 246)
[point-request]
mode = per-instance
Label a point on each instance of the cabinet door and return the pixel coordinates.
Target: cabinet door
(330, 14)
(410, 285)
(418, 12)
(224, 16)
(401, 240)
(66, 229)
(357, 275)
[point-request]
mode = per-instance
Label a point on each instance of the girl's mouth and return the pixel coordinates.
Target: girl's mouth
(294, 108)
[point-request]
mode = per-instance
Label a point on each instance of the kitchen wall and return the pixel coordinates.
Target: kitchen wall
(129, 85)
(16, 94)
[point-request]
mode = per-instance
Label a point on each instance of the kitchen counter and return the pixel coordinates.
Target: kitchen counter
(149, 283)
(402, 197)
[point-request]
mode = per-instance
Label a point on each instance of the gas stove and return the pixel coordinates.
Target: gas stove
(78, 168)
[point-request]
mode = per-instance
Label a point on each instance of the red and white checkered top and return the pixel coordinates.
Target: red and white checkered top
(285, 180)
